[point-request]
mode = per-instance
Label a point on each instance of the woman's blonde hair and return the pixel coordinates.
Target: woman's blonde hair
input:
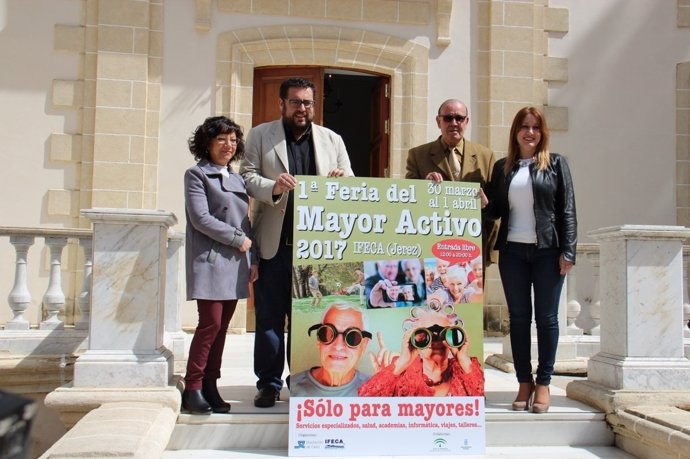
(542, 156)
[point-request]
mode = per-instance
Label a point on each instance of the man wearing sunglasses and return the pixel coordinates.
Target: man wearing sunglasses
(341, 339)
(276, 152)
(452, 157)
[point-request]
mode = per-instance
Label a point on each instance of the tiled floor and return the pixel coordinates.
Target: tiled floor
(237, 385)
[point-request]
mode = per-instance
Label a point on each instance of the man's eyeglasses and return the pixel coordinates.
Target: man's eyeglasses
(422, 338)
(295, 103)
(449, 118)
(226, 140)
(327, 333)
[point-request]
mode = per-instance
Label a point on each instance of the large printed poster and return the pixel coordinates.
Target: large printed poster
(387, 326)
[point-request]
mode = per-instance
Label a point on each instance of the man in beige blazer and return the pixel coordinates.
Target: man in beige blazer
(276, 152)
(452, 157)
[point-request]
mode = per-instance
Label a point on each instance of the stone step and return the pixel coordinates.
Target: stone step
(568, 422)
(569, 430)
(492, 452)
(270, 431)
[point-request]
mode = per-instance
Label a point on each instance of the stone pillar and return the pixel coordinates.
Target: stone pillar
(126, 330)
(175, 338)
(641, 319)
(642, 309)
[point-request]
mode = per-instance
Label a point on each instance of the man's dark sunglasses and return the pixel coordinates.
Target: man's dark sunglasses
(327, 333)
(449, 118)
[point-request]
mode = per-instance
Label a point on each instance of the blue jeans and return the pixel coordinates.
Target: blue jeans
(523, 267)
(272, 305)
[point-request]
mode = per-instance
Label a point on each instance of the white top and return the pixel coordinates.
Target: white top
(222, 169)
(521, 222)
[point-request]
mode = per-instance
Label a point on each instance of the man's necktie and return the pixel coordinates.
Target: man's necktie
(455, 164)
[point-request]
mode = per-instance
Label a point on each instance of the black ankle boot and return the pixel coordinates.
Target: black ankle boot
(209, 389)
(194, 402)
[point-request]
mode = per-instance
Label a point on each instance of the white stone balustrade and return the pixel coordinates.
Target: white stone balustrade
(19, 298)
(580, 315)
(84, 299)
(53, 304)
(20, 337)
(54, 298)
(573, 305)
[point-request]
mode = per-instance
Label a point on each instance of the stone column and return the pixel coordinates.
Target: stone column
(642, 309)
(175, 338)
(126, 330)
(641, 319)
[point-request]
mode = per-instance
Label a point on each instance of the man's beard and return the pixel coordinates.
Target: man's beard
(294, 126)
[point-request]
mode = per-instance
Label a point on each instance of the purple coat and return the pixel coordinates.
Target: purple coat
(217, 224)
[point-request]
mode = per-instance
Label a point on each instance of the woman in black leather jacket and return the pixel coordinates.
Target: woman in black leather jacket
(531, 191)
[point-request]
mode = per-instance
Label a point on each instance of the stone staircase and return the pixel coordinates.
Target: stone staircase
(568, 423)
(569, 430)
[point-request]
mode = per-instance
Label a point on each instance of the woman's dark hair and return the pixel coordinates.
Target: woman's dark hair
(212, 127)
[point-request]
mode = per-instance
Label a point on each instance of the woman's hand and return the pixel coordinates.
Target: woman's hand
(462, 354)
(407, 354)
(246, 245)
(284, 183)
(565, 265)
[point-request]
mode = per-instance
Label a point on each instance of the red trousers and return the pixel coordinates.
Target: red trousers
(206, 350)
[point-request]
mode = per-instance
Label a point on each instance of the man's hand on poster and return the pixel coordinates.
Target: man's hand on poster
(392, 290)
(435, 177)
(336, 173)
(284, 183)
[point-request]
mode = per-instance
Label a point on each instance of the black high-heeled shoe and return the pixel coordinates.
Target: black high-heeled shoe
(194, 402)
(209, 390)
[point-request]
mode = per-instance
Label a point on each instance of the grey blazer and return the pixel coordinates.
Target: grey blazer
(217, 224)
(265, 158)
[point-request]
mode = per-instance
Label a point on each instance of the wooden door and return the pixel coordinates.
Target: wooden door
(267, 91)
(266, 107)
(380, 129)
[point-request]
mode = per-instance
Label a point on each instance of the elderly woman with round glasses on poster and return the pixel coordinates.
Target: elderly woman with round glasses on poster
(434, 358)
(341, 339)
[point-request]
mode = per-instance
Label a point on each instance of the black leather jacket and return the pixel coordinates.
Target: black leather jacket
(554, 205)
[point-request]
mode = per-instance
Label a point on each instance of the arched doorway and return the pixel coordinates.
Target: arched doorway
(354, 104)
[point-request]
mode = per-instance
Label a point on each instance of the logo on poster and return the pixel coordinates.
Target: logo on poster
(300, 444)
(440, 444)
(334, 443)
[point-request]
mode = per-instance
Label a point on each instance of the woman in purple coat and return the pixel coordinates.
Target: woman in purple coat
(219, 259)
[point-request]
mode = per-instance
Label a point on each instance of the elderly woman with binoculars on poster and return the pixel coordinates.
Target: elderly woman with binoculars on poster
(434, 359)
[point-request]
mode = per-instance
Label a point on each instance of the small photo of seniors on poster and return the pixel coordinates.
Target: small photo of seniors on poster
(387, 318)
